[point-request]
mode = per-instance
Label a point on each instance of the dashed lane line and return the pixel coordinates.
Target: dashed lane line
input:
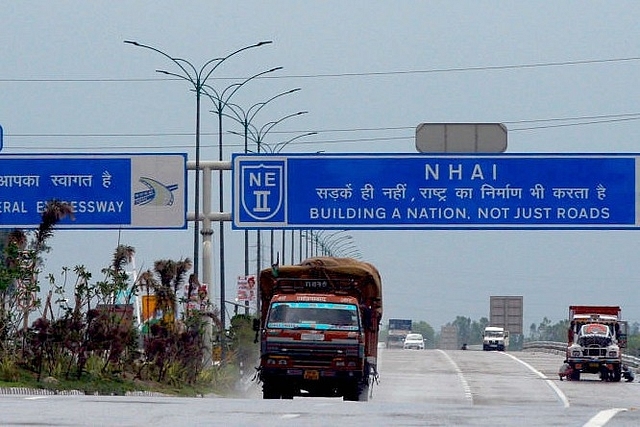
(465, 385)
(603, 417)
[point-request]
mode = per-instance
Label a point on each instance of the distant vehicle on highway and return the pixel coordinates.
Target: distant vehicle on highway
(495, 338)
(415, 341)
(397, 332)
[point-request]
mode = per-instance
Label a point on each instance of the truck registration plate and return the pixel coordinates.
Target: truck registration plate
(311, 375)
(312, 337)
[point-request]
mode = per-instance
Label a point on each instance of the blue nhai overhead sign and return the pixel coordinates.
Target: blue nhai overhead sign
(395, 191)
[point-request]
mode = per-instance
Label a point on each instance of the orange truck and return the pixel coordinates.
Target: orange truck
(319, 324)
(596, 337)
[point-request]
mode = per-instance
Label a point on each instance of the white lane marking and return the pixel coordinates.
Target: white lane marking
(289, 416)
(465, 385)
(550, 383)
(603, 417)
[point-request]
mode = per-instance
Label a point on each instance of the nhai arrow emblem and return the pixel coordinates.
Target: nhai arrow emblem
(157, 194)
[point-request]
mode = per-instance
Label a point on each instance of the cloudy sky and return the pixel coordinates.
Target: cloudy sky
(561, 75)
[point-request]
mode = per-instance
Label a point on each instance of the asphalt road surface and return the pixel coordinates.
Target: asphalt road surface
(416, 388)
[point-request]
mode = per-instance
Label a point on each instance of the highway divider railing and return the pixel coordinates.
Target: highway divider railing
(561, 348)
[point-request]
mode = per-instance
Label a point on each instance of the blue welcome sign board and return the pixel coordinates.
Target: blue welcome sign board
(395, 191)
(104, 191)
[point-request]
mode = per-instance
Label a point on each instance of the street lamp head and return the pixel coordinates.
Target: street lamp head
(263, 43)
(233, 132)
(223, 98)
(132, 42)
(279, 146)
(245, 117)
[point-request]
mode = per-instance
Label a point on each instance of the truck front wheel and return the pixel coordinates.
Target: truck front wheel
(616, 374)
(575, 375)
(270, 390)
(357, 392)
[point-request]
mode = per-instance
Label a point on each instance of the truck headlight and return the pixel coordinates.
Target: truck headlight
(344, 363)
(613, 353)
(278, 361)
(575, 353)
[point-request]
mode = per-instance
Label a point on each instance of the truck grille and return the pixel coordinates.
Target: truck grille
(594, 352)
(308, 355)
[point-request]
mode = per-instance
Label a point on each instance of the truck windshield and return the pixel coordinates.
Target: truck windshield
(594, 329)
(313, 315)
(594, 334)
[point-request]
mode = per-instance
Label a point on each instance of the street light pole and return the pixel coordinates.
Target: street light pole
(220, 101)
(245, 118)
(198, 79)
(257, 136)
(277, 148)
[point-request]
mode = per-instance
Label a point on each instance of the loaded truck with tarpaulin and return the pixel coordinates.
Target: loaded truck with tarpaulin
(397, 331)
(319, 324)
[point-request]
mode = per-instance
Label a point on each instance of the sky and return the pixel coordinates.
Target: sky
(561, 75)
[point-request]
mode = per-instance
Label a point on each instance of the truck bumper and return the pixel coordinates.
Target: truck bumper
(315, 382)
(593, 365)
(493, 347)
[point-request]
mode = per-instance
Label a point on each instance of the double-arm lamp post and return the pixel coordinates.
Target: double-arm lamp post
(245, 119)
(221, 100)
(257, 135)
(277, 148)
(198, 79)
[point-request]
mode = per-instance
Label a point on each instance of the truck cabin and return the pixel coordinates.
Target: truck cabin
(313, 315)
(602, 328)
(494, 334)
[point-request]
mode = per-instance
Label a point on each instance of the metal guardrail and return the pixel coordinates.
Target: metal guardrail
(561, 348)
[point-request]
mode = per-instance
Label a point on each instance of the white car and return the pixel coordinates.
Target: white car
(413, 341)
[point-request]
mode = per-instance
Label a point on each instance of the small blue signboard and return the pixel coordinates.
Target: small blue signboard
(396, 191)
(1, 137)
(105, 191)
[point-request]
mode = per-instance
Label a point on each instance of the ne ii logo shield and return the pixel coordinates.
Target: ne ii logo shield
(262, 190)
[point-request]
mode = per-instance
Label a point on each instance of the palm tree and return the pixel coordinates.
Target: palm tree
(172, 277)
(54, 212)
